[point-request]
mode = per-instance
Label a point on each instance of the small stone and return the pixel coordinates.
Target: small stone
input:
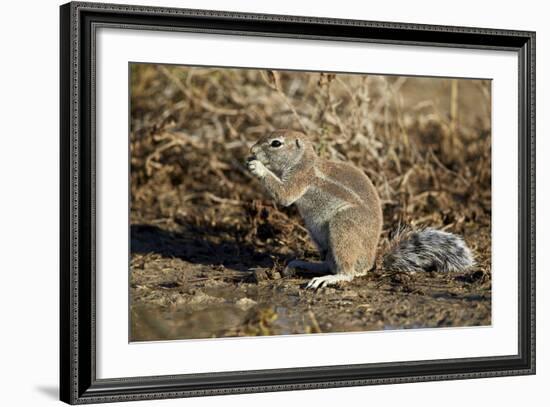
(245, 303)
(275, 275)
(288, 272)
(258, 275)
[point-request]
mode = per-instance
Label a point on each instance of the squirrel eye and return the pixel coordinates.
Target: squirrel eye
(276, 143)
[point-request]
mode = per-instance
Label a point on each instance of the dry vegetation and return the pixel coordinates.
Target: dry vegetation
(208, 245)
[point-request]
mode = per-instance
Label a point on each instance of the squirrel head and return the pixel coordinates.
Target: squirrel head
(282, 150)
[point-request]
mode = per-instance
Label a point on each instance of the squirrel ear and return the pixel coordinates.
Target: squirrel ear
(298, 143)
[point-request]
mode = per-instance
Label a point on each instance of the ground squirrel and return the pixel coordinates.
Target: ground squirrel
(343, 213)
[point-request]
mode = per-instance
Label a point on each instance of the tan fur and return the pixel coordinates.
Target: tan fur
(338, 202)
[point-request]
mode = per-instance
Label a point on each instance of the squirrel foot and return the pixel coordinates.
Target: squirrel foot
(325, 281)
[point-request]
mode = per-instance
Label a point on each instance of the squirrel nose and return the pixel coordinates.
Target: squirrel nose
(252, 155)
(253, 149)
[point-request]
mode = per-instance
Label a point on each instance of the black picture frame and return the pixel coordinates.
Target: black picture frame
(78, 382)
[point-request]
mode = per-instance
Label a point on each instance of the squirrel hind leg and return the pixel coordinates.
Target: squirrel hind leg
(295, 266)
(344, 254)
(352, 247)
(320, 269)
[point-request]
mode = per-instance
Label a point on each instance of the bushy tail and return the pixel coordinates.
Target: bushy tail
(428, 250)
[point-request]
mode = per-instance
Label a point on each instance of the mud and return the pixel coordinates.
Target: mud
(178, 295)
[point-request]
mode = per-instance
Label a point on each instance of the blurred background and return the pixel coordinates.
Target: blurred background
(199, 221)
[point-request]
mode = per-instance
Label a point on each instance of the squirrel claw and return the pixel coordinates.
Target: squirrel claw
(256, 167)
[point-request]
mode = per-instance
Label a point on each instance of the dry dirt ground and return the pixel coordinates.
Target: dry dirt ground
(208, 247)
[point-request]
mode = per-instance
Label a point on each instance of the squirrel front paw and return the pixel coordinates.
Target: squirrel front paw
(257, 168)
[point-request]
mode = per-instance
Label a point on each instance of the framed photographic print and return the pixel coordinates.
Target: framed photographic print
(255, 203)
